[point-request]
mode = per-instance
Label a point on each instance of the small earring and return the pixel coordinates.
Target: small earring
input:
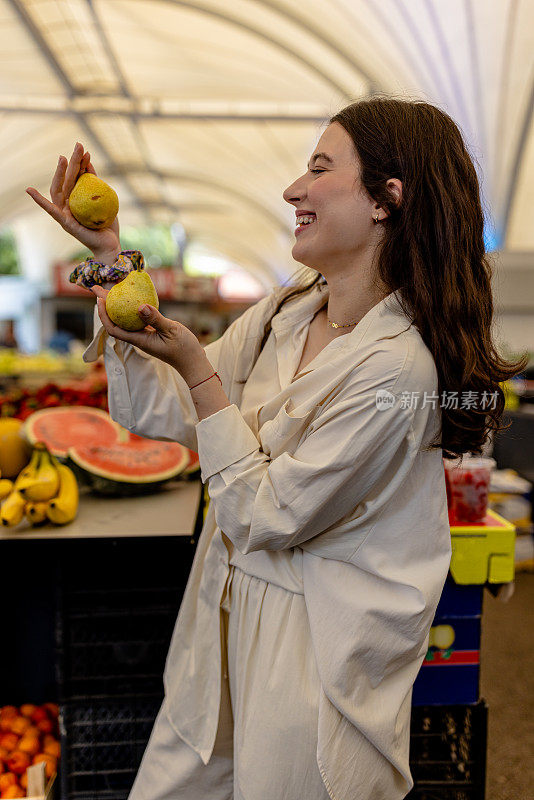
(376, 219)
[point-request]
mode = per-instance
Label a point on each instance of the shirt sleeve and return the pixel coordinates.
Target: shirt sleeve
(356, 454)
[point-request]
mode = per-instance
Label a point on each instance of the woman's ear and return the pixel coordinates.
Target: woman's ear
(394, 186)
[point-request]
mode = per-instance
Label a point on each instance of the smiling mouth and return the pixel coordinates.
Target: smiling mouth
(304, 222)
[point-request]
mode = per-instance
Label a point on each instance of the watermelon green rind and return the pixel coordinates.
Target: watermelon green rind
(60, 427)
(109, 488)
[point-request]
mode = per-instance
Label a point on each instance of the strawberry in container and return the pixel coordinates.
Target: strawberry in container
(468, 486)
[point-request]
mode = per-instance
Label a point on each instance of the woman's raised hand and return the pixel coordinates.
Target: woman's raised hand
(164, 338)
(103, 243)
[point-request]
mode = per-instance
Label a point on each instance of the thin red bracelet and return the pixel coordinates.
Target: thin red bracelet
(204, 381)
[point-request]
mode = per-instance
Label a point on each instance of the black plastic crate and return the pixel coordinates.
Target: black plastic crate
(117, 605)
(114, 642)
(448, 752)
(103, 741)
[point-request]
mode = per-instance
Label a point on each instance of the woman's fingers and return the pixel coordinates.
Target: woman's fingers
(56, 187)
(73, 169)
(49, 207)
(87, 163)
(84, 162)
(153, 317)
(132, 337)
(100, 291)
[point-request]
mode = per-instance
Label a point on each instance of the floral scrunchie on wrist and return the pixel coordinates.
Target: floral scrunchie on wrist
(91, 272)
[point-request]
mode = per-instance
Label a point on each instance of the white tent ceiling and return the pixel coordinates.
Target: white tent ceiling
(203, 111)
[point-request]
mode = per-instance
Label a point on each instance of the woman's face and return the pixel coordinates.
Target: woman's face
(341, 209)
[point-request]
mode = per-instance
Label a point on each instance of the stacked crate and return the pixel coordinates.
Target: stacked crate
(118, 604)
(449, 719)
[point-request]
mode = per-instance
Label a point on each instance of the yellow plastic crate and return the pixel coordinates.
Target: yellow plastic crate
(483, 553)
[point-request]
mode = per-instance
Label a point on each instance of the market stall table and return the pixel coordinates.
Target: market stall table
(131, 542)
(169, 512)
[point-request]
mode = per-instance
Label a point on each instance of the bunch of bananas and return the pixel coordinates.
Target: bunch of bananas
(44, 490)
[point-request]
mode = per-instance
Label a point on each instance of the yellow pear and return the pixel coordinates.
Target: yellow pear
(93, 203)
(125, 298)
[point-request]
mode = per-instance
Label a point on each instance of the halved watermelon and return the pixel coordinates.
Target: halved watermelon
(131, 467)
(62, 427)
(194, 464)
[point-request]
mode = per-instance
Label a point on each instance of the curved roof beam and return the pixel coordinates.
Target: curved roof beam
(143, 108)
(504, 86)
(280, 224)
(516, 165)
(198, 5)
(120, 78)
(341, 51)
(28, 23)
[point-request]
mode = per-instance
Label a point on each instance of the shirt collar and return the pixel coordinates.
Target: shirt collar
(382, 321)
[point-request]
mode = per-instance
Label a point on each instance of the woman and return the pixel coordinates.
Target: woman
(320, 436)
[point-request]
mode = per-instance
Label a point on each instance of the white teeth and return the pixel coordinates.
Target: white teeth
(305, 220)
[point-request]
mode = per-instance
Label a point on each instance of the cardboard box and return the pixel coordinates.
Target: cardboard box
(38, 787)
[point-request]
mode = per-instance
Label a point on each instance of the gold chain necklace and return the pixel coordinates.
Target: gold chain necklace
(335, 325)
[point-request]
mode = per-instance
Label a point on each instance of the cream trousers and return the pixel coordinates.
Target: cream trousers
(266, 741)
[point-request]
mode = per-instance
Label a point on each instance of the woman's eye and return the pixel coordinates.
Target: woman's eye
(316, 170)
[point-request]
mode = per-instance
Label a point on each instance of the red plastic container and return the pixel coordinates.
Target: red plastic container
(467, 486)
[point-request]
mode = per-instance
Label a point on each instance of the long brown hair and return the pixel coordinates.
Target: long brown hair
(433, 251)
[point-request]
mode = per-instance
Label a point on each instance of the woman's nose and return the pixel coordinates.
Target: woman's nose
(295, 192)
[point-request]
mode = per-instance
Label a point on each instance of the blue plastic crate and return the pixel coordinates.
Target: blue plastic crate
(450, 672)
(459, 601)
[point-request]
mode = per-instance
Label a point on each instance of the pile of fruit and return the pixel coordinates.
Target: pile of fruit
(20, 403)
(12, 362)
(28, 735)
(42, 459)
(43, 491)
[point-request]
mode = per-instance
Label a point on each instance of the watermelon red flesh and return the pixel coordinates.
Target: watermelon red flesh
(65, 426)
(194, 463)
(137, 461)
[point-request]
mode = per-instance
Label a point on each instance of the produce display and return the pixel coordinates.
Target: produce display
(20, 403)
(93, 203)
(47, 361)
(43, 491)
(43, 458)
(125, 297)
(28, 735)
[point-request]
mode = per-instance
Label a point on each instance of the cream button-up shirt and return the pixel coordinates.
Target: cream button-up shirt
(333, 463)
